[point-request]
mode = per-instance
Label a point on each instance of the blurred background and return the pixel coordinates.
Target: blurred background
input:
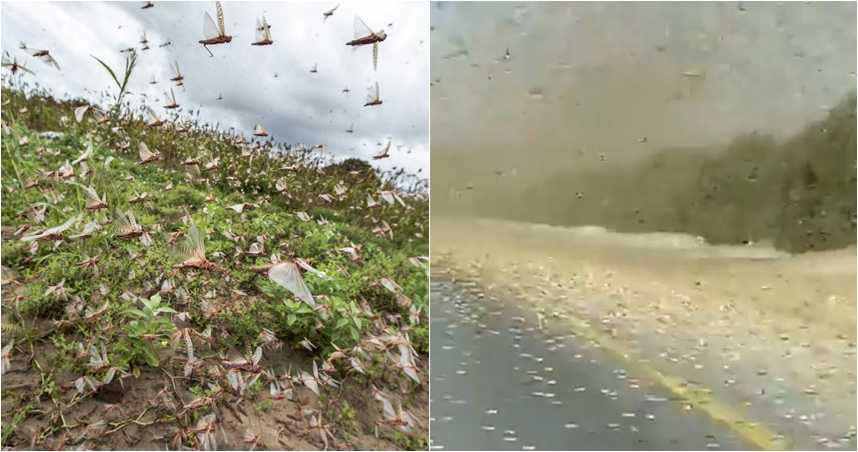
(733, 121)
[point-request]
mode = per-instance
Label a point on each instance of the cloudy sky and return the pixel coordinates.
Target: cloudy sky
(295, 106)
(586, 82)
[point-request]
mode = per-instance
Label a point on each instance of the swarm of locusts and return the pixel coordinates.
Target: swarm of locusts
(165, 280)
(214, 33)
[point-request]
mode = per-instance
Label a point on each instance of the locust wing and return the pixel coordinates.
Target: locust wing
(289, 276)
(153, 117)
(144, 152)
(220, 19)
(375, 56)
(303, 264)
(406, 362)
(89, 149)
(89, 191)
(384, 152)
(194, 246)
(260, 31)
(362, 30)
(79, 112)
(50, 61)
(210, 30)
(371, 93)
(55, 230)
(266, 33)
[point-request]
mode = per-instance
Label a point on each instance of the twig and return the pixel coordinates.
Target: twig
(123, 424)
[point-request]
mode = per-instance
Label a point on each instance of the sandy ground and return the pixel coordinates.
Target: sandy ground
(770, 334)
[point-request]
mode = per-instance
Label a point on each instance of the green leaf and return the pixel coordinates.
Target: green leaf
(290, 319)
(151, 357)
(165, 309)
(136, 312)
(130, 62)
(110, 71)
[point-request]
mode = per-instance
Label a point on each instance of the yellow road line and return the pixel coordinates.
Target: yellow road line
(698, 396)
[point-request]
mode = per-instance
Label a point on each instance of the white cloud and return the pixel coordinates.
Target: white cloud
(296, 106)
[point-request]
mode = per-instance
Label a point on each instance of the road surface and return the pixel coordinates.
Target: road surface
(499, 382)
(761, 342)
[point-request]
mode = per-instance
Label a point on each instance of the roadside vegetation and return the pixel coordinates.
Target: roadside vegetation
(797, 193)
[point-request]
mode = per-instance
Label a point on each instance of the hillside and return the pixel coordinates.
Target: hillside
(113, 339)
(798, 193)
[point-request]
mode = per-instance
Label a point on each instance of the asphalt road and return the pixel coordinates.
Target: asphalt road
(499, 382)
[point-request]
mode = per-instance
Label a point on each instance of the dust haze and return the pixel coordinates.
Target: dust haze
(734, 121)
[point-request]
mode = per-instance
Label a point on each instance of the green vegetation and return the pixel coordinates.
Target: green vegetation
(147, 328)
(109, 308)
(130, 64)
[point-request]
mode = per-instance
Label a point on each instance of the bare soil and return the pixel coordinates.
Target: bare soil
(146, 412)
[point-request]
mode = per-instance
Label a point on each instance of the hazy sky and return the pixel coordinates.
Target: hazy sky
(587, 82)
(296, 106)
